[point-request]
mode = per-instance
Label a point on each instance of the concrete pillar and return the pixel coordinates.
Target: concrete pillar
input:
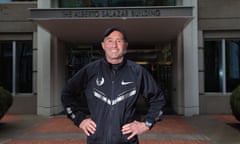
(190, 63)
(58, 59)
(44, 99)
(178, 78)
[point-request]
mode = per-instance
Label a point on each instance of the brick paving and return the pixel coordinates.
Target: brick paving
(57, 124)
(172, 129)
(10, 118)
(227, 118)
(80, 141)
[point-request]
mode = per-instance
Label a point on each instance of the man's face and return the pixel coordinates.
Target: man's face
(115, 47)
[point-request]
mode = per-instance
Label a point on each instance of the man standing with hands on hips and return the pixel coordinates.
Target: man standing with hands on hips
(112, 86)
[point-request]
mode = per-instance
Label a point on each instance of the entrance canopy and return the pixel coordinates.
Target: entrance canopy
(86, 25)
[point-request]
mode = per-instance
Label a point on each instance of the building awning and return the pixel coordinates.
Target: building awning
(86, 25)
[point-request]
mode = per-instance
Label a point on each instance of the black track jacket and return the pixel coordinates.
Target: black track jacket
(112, 93)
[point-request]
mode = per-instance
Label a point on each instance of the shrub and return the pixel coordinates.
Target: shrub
(235, 102)
(6, 101)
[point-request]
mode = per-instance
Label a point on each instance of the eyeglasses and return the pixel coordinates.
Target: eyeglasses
(112, 41)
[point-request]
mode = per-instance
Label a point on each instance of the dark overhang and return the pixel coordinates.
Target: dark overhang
(142, 24)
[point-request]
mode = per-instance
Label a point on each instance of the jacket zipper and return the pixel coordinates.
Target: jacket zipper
(113, 76)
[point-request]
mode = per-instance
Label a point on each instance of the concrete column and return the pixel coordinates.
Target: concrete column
(178, 78)
(58, 59)
(190, 63)
(44, 99)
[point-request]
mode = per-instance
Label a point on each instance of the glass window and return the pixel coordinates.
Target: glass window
(114, 3)
(16, 60)
(6, 61)
(233, 64)
(222, 65)
(23, 66)
(213, 64)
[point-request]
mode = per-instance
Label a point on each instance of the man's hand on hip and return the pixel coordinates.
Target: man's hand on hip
(134, 128)
(88, 126)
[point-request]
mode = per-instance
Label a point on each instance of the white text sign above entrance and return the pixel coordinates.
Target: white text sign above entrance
(130, 12)
(112, 13)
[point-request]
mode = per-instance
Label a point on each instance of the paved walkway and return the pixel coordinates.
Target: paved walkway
(174, 129)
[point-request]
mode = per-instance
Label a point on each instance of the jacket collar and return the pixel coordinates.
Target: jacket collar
(115, 66)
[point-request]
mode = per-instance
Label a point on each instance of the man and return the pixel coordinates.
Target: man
(112, 86)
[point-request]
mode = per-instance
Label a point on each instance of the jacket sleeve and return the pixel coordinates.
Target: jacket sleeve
(154, 96)
(74, 87)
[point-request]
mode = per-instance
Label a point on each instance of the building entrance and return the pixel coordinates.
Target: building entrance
(156, 59)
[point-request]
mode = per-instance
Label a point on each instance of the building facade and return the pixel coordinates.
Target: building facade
(191, 48)
(18, 55)
(218, 42)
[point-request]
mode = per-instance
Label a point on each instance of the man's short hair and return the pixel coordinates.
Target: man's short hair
(109, 30)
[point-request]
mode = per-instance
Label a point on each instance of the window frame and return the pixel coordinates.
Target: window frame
(224, 65)
(14, 67)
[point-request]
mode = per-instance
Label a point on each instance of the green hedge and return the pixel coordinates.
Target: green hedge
(235, 102)
(6, 101)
